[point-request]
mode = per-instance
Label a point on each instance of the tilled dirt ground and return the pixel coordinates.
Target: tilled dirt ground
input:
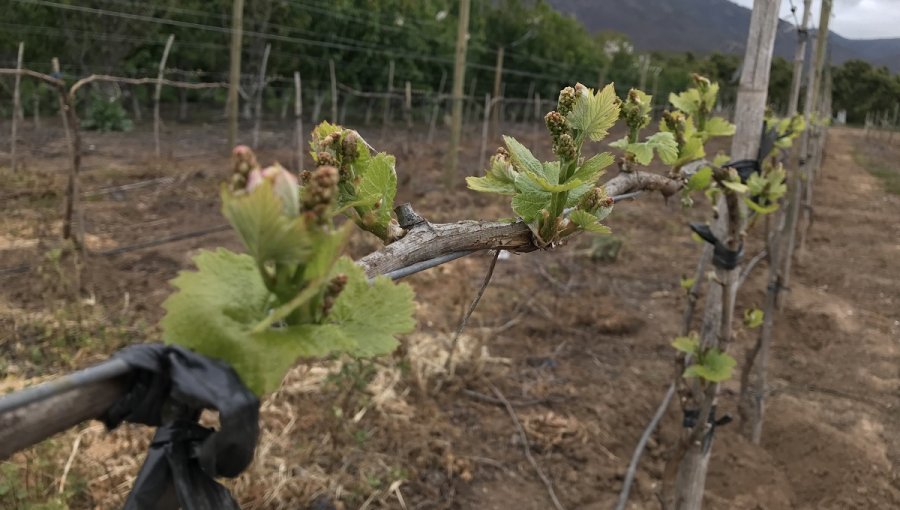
(579, 345)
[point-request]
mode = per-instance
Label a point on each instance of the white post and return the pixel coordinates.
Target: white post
(17, 108)
(298, 119)
(162, 70)
(260, 86)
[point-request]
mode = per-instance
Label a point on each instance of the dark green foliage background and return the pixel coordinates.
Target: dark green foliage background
(543, 47)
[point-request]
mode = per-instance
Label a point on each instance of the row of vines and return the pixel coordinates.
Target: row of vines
(293, 295)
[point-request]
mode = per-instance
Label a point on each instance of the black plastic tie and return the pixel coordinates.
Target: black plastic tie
(723, 257)
(170, 387)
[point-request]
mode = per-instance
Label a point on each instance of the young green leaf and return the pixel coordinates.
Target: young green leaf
(642, 152)
(687, 101)
(720, 159)
(737, 187)
(761, 209)
(700, 180)
(753, 318)
(595, 113)
(215, 309)
(266, 232)
(371, 314)
(531, 197)
(716, 366)
(522, 158)
(500, 178)
(592, 169)
(529, 204)
(218, 308)
(687, 344)
(687, 283)
(378, 181)
(756, 184)
(665, 145)
(376, 189)
(717, 126)
(588, 222)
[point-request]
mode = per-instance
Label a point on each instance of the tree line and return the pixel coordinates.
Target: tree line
(543, 48)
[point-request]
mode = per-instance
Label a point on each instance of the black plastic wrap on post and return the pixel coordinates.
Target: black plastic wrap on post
(723, 258)
(171, 387)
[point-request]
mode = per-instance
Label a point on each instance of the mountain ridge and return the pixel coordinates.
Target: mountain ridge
(706, 26)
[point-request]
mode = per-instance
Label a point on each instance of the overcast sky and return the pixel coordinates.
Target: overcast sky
(854, 19)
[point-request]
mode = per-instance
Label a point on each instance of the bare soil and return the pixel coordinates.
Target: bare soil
(580, 346)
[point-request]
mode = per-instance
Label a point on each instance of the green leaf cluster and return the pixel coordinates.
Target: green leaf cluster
(542, 191)
(753, 318)
(218, 309)
(368, 182)
(292, 295)
(636, 109)
(691, 123)
(710, 364)
(767, 190)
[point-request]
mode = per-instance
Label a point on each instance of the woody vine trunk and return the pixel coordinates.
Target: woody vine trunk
(749, 114)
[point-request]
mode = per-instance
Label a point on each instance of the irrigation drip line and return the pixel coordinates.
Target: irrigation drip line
(165, 240)
(132, 247)
(394, 275)
(109, 369)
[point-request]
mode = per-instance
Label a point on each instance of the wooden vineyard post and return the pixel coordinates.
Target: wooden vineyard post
(459, 76)
(803, 170)
(36, 98)
(469, 104)
(814, 130)
(234, 70)
(407, 114)
(793, 203)
(260, 86)
(386, 114)
(436, 108)
(298, 120)
(485, 123)
(690, 478)
(73, 137)
(755, 370)
(158, 93)
(17, 107)
(334, 94)
(498, 80)
(799, 55)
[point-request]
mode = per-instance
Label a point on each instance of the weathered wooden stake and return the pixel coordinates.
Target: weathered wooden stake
(334, 93)
(799, 56)
(816, 131)
(36, 98)
(234, 70)
(484, 130)
(716, 332)
(407, 114)
(73, 137)
(436, 108)
(459, 77)
(386, 115)
(17, 109)
(260, 87)
(298, 120)
(158, 93)
(498, 80)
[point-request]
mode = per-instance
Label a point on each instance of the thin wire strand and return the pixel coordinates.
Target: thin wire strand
(283, 38)
(465, 320)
